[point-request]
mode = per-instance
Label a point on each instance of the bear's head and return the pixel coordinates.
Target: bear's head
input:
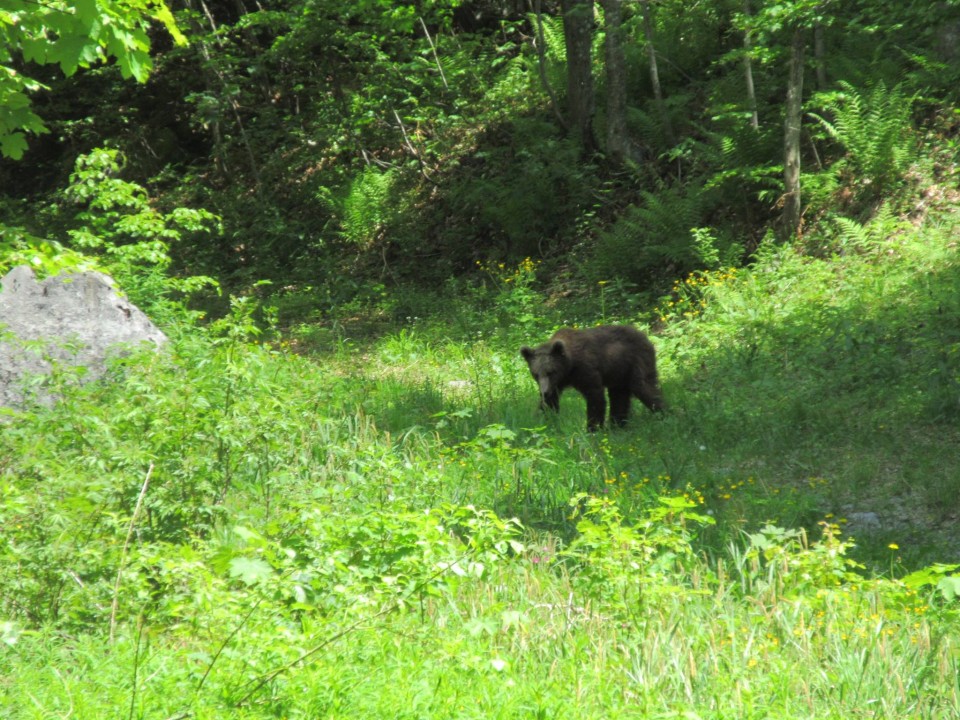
(550, 365)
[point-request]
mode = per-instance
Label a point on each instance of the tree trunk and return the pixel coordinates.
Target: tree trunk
(578, 38)
(791, 138)
(748, 72)
(655, 73)
(618, 140)
(819, 57)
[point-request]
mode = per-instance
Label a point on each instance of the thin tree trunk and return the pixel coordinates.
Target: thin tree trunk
(230, 100)
(748, 71)
(578, 38)
(618, 140)
(819, 57)
(791, 138)
(541, 45)
(655, 73)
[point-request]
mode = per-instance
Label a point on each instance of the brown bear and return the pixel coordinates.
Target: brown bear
(619, 358)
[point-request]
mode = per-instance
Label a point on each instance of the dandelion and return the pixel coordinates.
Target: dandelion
(893, 546)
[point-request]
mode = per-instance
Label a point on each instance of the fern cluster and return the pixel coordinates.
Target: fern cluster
(665, 230)
(846, 236)
(875, 129)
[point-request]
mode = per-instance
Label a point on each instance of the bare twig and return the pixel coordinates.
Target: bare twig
(433, 48)
(226, 642)
(230, 99)
(123, 554)
(136, 668)
(312, 651)
(413, 150)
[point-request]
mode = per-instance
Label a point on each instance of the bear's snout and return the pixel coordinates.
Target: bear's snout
(551, 401)
(549, 397)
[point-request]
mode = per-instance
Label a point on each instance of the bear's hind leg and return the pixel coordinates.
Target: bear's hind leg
(619, 406)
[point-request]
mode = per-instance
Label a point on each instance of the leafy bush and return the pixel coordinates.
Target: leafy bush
(632, 564)
(103, 222)
(116, 223)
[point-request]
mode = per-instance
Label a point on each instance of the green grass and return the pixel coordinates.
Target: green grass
(389, 528)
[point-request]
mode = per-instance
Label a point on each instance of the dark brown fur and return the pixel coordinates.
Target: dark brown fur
(619, 358)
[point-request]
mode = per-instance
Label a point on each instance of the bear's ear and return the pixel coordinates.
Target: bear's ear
(527, 353)
(558, 348)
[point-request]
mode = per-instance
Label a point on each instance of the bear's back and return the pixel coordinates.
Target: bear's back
(613, 350)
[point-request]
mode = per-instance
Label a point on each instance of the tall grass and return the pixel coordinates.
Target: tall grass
(392, 529)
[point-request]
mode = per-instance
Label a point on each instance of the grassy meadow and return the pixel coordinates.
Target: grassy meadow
(322, 523)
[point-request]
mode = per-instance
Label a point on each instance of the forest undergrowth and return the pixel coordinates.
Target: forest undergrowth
(310, 523)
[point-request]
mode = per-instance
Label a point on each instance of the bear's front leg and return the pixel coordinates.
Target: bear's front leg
(596, 408)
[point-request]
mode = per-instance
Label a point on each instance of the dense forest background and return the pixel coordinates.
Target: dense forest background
(349, 148)
(332, 494)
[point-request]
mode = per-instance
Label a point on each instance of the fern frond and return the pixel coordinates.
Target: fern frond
(853, 235)
(554, 45)
(826, 125)
(873, 234)
(364, 211)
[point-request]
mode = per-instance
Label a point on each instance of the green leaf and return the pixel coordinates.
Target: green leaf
(72, 52)
(86, 11)
(13, 145)
(71, 35)
(136, 65)
(164, 16)
(928, 576)
(250, 570)
(949, 587)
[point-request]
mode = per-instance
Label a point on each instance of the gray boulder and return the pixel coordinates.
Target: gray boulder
(74, 319)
